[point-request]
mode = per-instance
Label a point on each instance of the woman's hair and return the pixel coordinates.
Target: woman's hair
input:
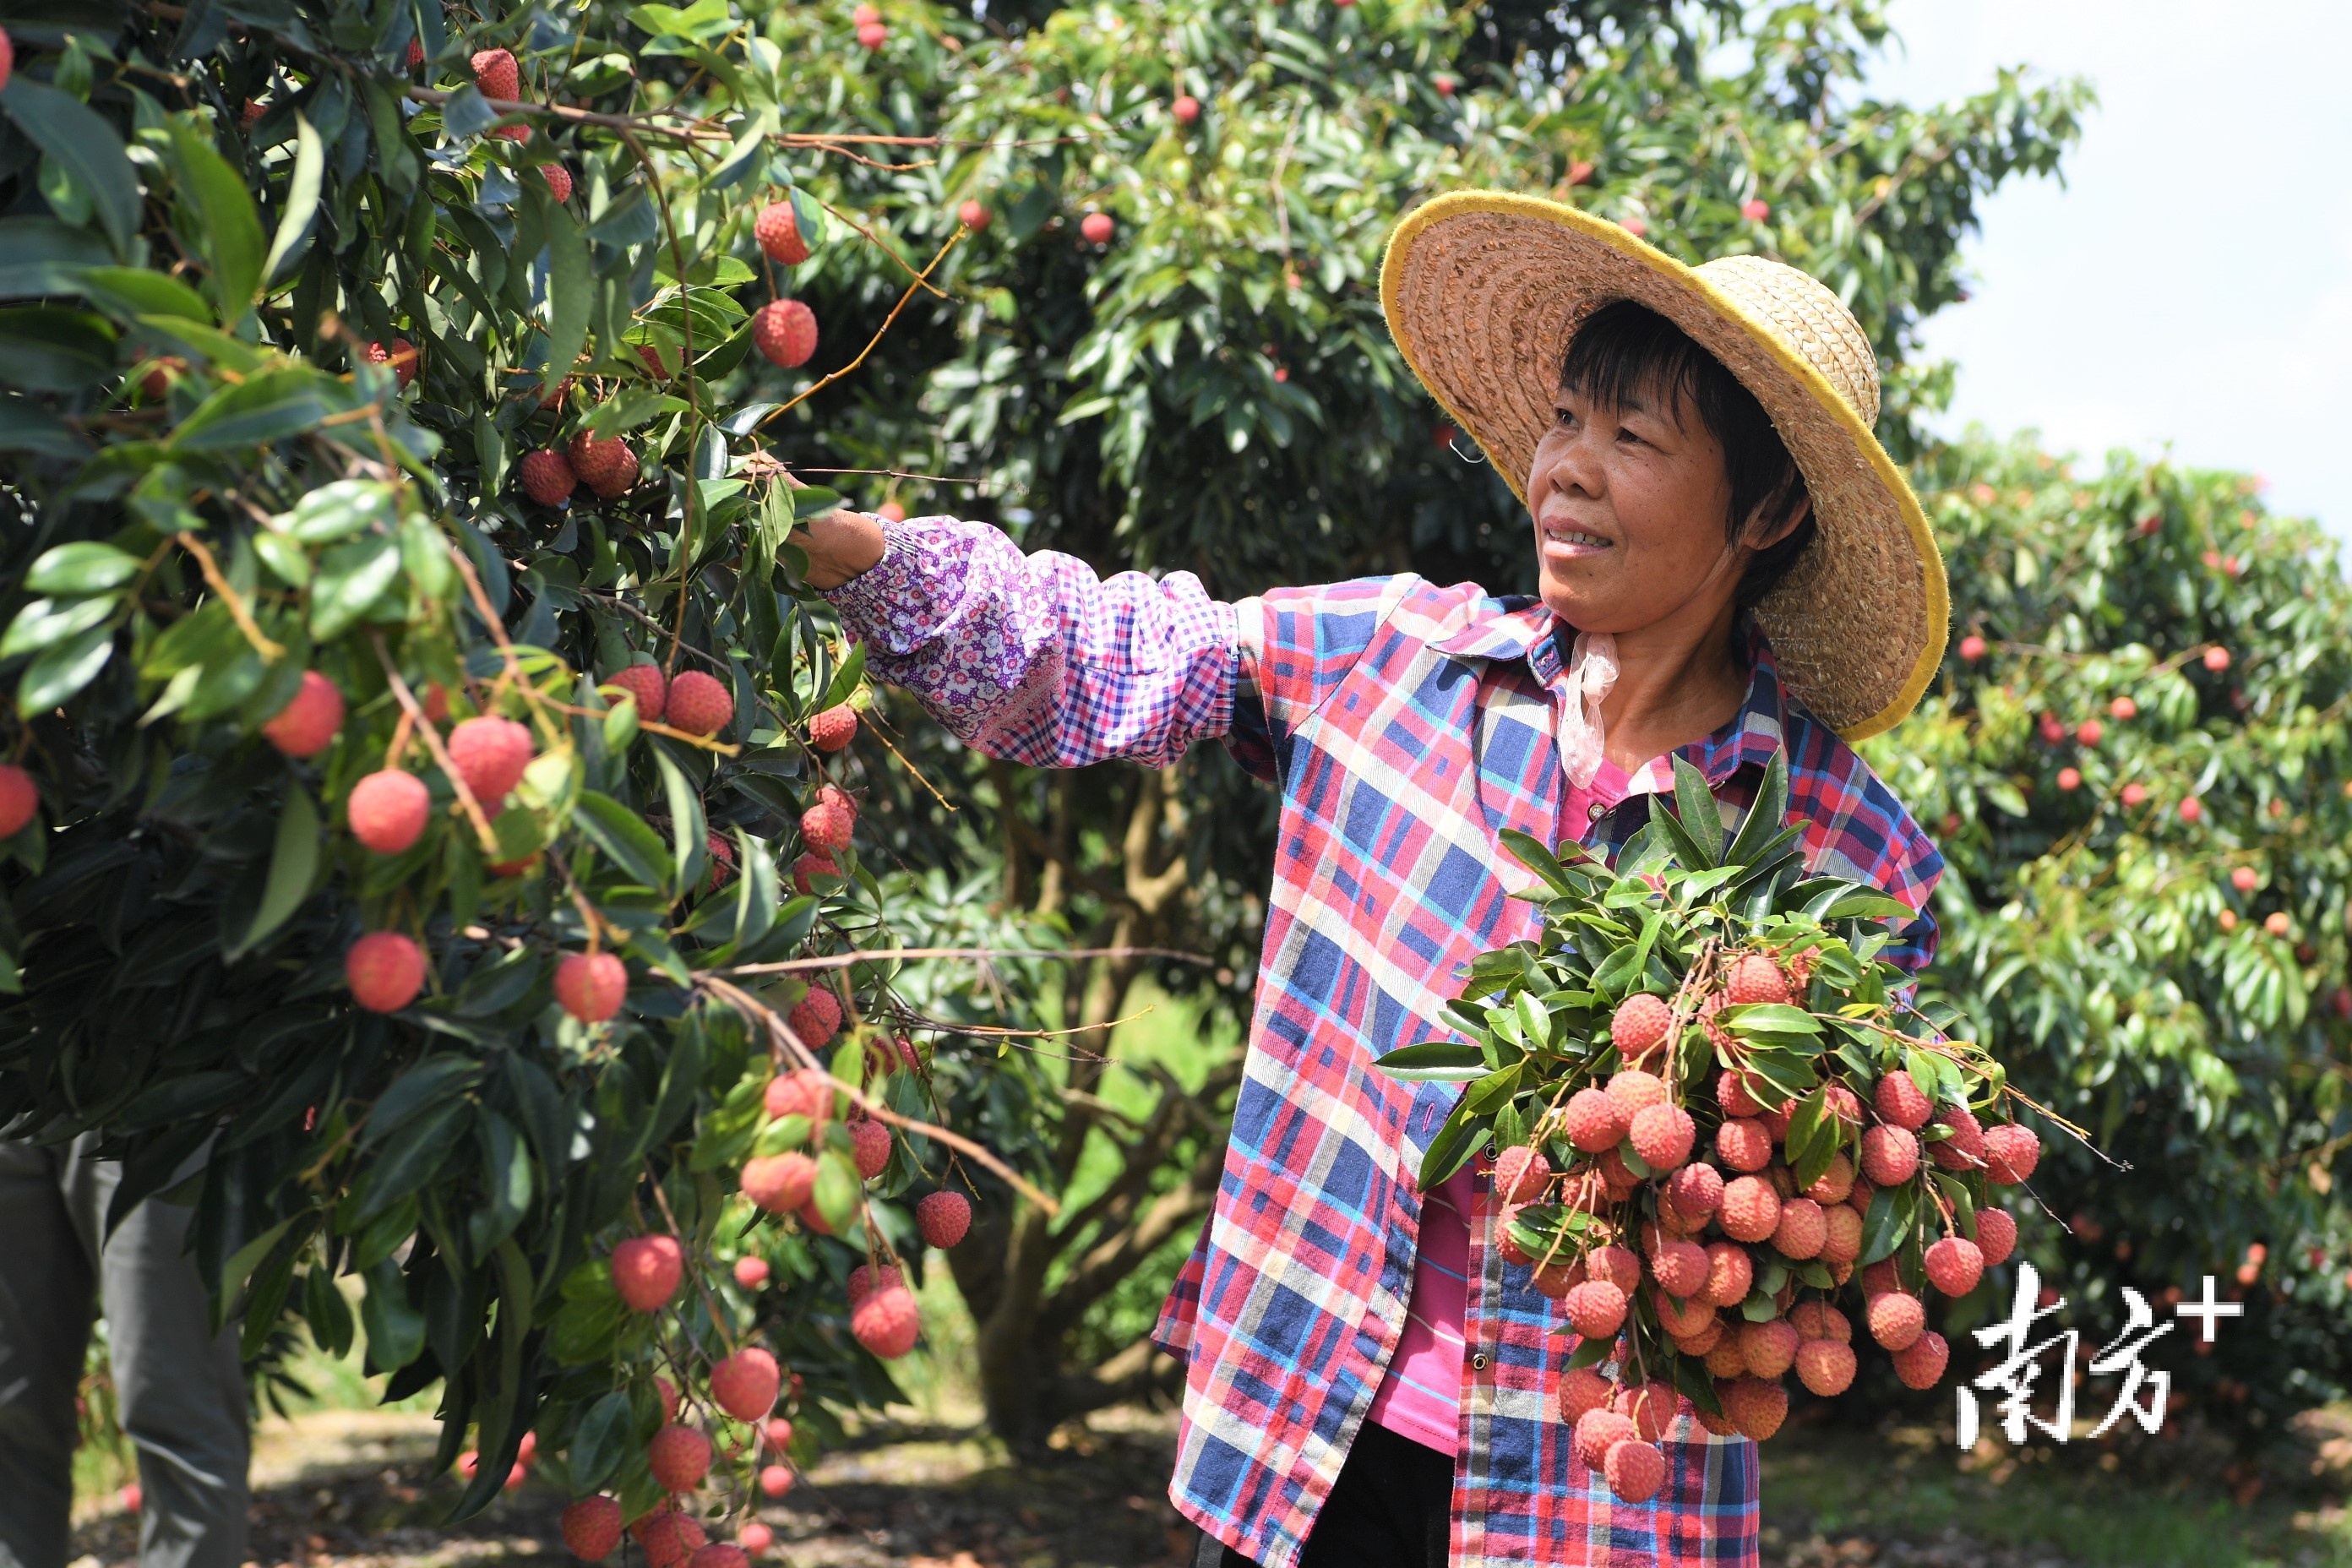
(1623, 349)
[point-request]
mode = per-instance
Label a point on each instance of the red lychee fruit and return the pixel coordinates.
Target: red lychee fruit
(311, 718)
(669, 1538)
(817, 1018)
(1776, 1121)
(1880, 1277)
(1744, 1144)
(719, 1555)
(1635, 1471)
(1186, 109)
(1889, 1154)
(388, 810)
(19, 799)
(825, 827)
(1996, 1235)
(2011, 1152)
(864, 1282)
(751, 1271)
(1662, 1134)
(804, 1091)
(1710, 1334)
(1639, 1026)
(607, 466)
(1820, 1321)
(1964, 1149)
(834, 728)
(1954, 1265)
(547, 476)
(886, 1322)
(1580, 1389)
(2070, 779)
(1833, 1183)
(755, 1538)
(1898, 1100)
(647, 683)
(1972, 647)
(1897, 1317)
(1842, 1234)
(1801, 1230)
(385, 971)
(1825, 1366)
(1506, 1243)
(1755, 978)
(646, 1270)
(1097, 228)
(873, 34)
(680, 1456)
(1598, 1430)
(1769, 1348)
(591, 986)
(1597, 1308)
(1593, 1121)
(699, 704)
(775, 1480)
(1755, 210)
(558, 182)
(776, 1433)
(591, 1527)
(1679, 1267)
(1922, 1362)
(1616, 1265)
(944, 1218)
(400, 356)
(972, 216)
(1635, 1090)
(1755, 1405)
(1694, 1192)
(2217, 658)
(1730, 1274)
(1558, 1278)
(1842, 1105)
(2191, 809)
(778, 1184)
(1750, 1209)
(869, 1146)
(777, 230)
(784, 332)
(1521, 1174)
(498, 75)
(491, 754)
(744, 1384)
(807, 867)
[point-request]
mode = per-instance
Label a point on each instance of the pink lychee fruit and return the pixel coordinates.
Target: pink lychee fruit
(1897, 1099)
(778, 1184)
(2012, 1151)
(591, 986)
(19, 799)
(777, 230)
(1695, 1191)
(591, 1527)
(869, 1146)
(1597, 1430)
(547, 476)
(1730, 1274)
(1744, 1144)
(886, 1322)
(804, 1091)
(388, 810)
(1921, 1364)
(646, 1270)
(944, 1218)
(680, 1456)
(1639, 1026)
(1634, 1090)
(647, 683)
(1756, 1405)
(1954, 1265)
(1521, 1174)
(1635, 1471)
(1889, 1154)
(699, 704)
(491, 754)
(311, 718)
(1582, 1389)
(1996, 1235)
(1769, 1348)
(817, 1018)
(834, 728)
(385, 971)
(1825, 1366)
(1662, 1134)
(751, 1271)
(1750, 1210)
(1597, 1309)
(1593, 1121)
(744, 1384)
(1897, 1319)
(784, 332)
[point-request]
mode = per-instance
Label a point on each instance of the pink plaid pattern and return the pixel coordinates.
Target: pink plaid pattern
(1404, 724)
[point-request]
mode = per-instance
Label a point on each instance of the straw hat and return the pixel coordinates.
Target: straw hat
(1483, 291)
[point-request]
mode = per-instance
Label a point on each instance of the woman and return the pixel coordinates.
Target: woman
(1729, 566)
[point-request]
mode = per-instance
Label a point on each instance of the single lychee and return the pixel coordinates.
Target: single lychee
(869, 1146)
(834, 728)
(1597, 1308)
(498, 75)
(646, 1270)
(1662, 1134)
(491, 754)
(1598, 1430)
(1694, 1192)
(400, 356)
(1616, 1264)
(886, 1322)
(744, 1384)
(1709, 1335)
(1922, 1362)
(1731, 1092)
(1820, 1321)
(1729, 1273)
(647, 683)
(1996, 1235)
(669, 1538)
(776, 1433)
(1639, 1026)
(1681, 1318)
(807, 867)
(1754, 979)
(778, 1184)
(591, 1527)
(775, 1480)
(385, 971)
(751, 1271)
(311, 718)
(1186, 109)
(1637, 1470)
(1834, 1183)
(1635, 1090)
(1897, 1319)
(1769, 1348)
(1581, 1389)
(973, 215)
(547, 476)
(1519, 1175)
(558, 182)
(864, 1280)
(388, 810)
(1744, 1144)
(2191, 809)
(19, 799)
(1755, 1405)
(1679, 1267)
(1825, 1366)
(1776, 1120)
(755, 1538)
(1964, 1149)
(1506, 1243)
(804, 1091)
(1889, 1154)
(944, 1218)
(699, 704)
(777, 230)
(719, 1555)
(784, 332)
(817, 1018)
(1842, 1234)
(1097, 228)
(1750, 1209)
(873, 34)
(2011, 1152)
(608, 466)
(1755, 209)
(1954, 1265)
(680, 1456)
(1841, 1105)
(1593, 1121)
(825, 827)
(1972, 647)
(1897, 1099)
(591, 986)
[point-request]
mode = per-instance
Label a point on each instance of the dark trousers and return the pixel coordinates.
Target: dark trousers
(1392, 1507)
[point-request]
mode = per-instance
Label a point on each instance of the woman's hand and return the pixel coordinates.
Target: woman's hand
(840, 545)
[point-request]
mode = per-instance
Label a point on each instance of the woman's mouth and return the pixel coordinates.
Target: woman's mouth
(1563, 543)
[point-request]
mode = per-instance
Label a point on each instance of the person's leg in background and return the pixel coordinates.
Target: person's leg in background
(45, 1298)
(180, 1387)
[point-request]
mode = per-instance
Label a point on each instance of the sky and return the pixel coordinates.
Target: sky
(2190, 284)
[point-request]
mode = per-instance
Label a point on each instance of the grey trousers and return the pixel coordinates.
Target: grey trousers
(180, 1388)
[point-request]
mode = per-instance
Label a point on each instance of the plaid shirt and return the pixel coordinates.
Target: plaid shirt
(1404, 723)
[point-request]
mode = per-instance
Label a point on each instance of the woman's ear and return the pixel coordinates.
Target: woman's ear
(1763, 532)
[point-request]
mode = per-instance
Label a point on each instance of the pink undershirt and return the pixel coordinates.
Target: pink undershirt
(1421, 1398)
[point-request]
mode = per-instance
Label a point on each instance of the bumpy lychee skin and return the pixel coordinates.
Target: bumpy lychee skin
(669, 1538)
(1639, 1026)
(751, 1273)
(1769, 1348)
(1750, 1209)
(1897, 1099)
(1616, 1264)
(1825, 1366)
(1820, 1321)
(388, 810)
(1597, 1431)
(817, 1018)
(547, 476)
(1756, 1406)
(1635, 1471)
(779, 1182)
(1880, 1277)
(647, 683)
(1842, 1105)
(385, 971)
(680, 1456)
(1996, 1235)
(864, 1282)
(1635, 1090)
(777, 230)
(1595, 1121)
(400, 354)
(19, 799)
(784, 332)
(1597, 1309)
(491, 754)
(744, 1384)
(1580, 1389)
(1965, 1148)
(1921, 1364)
(591, 1527)
(1897, 1319)
(869, 1146)
(1724, 1359)
(805, 1091)
(1521, 1174)
(826, 828)
(1680, 1267)
(944, 1218)
(308, 722)
(1954, 1265)
(1556, 1279)
(1730, 1274)
(1682, 1319)
(1833, 1183)
(809, 867)
(646, 1270)
(1694, 1192)
(1744, 1144)
(1506, 1243)
(498, 75)
(1755, 978)
(1890, 1154)
(1801, 1229)
(1708, 1336)
(2011, 1152)
(699, 704)
(558, 182)
(886, 1322)
(1842, 1234)
(1732, 1093)
(719, 1555)
(591, 986)
(1662, 1135)
(607, 466)
(834, 728)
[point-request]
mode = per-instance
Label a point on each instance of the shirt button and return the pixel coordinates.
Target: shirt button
(1478, 1361)
(1595, 812)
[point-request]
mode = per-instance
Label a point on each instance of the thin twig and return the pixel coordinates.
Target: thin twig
(824, 381)
(269, 651)
(415, 710)
(726, 1336)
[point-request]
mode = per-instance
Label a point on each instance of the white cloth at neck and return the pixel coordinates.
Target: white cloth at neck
(1591, 671)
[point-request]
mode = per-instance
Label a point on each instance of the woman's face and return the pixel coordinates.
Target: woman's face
(1628, 507)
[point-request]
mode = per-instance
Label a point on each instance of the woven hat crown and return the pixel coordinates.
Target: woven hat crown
(1800, 310)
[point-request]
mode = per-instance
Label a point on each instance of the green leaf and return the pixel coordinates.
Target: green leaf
(84, 566)
(1867, 906)
(1528, 851)
(293, 861)
(688, 832)
(46, 621)
(81, 141)
(64, 670)
(351, 578)
(337, 510)
(1886, 1223)
(228, 231)
(606, 1434)
(395, 1329)
(268, 408)
(134, 294)
(292, 240)
(1460, 1138)
(430, 1082)
(40, 256)
(1766, 817)
(757, 891)
(625, 837)
(569, 293)
(45, 348)
(1694, 808)
(408, 1159)
(1434, 1062)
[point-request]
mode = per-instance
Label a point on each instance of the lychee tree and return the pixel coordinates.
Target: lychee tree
(430, 801)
